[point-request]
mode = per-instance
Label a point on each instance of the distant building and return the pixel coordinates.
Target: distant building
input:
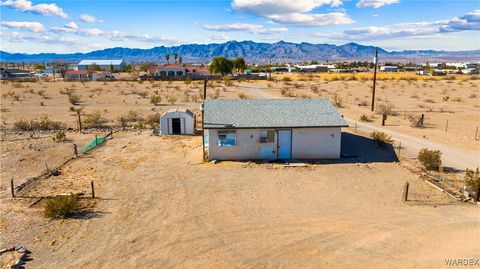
(76, 75)
(15, 74)
(313, 68)
(272, 129)
(471, 71)
(388, 68)
(175, 70)
(177, 121)
(107, 65)
(439, 73)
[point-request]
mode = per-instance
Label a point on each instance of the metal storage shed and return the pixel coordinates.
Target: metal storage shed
(177, 121)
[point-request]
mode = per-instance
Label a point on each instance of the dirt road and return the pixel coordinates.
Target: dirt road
(452, 156)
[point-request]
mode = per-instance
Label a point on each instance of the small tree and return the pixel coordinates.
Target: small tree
(472, 179)
(430, 159)
(167, 57)
(221, 65)
(74, 99)
(240, 64)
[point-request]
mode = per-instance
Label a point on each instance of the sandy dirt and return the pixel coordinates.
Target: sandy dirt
(160, 207)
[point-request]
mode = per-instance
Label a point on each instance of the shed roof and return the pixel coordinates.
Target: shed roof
(100, 62)
(271, 113)
(179, 109)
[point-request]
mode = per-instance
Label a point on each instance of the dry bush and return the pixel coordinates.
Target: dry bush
(365, 118)
(74, 99)
(314, 88)
(133, 116)
(61, 206)
(242, 95)
(44, 123)
(429, 100)
(457, 99)
(386, 109)
(153, 120)
(337, 101)
(286, 79)
(363, 103)
(155, 99)
(472, 179)
(60, 136)
(215, 94)
(430, 159)
(381, 138)
(446, 98)
(227, 81)
(171, 99)
(94, 120)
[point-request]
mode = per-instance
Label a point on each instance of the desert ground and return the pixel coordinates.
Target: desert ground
(158, 205)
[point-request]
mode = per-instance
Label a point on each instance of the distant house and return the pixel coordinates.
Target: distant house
(439, 73)
(107, 65)
(175, 70)
(275, 129)
(471, 71)
(388, 68)
(177, 121)
(15, 74)
(314, 68)
(76, 75)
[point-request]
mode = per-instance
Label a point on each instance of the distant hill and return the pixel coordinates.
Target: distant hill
(253, 52)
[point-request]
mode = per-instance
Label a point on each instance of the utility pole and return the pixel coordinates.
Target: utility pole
(203, 118)
(270, 68)
(375, 63)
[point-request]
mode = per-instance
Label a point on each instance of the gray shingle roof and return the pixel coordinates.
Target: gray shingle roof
(271, 113)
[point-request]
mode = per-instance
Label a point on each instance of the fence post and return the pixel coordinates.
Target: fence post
(96, 137)
(11, 188)
(384, 118)
(46, 168)
(93, 189)
(476, 132)
(355, 127)
(75, 151)
(477, 198)
(446, 126)
(405, 192)
(399, 149)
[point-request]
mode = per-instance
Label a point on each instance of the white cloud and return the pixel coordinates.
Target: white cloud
(89, 18)
(121, 36)
(467, 22)
(26, 25)
(41, 9)
(219, 37)
(376, 3)
(71, 25)
(293, 12)
(244, 27)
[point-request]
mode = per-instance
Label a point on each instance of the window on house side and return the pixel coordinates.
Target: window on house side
(227, 138)
(267, 136)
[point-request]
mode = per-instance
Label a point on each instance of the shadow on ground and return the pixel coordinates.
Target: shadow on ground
(362, 149)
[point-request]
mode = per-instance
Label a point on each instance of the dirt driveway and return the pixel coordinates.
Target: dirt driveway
(160, 208)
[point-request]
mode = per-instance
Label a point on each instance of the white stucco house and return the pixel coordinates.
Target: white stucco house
(177, 121)
(272, 129)
(108, 65)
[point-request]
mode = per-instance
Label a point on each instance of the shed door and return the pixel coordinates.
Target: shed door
(284, 144)
(176, 126)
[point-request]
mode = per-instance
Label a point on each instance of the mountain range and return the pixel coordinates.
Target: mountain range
(279, 52)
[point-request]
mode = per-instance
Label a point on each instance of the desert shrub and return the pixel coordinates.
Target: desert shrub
(286, 79)
(215, 94)
(44, 123)
(188, 80)
(429, 101)
(386, 109)
(242, 95)
(74, 99)
(60, 136)
(227, 81)
(22, 125)
(472, 179)
(473, 95)
(314, 88)
(132, 116)
(94, 120)
(61, 206)
(381, 138)
(142, 94)
(446, 98)
(171, 99)
(365, 118)
(337, 101)
(155, 99)
(457, 99)
(363, 103)
(153, 120)
(430, 159)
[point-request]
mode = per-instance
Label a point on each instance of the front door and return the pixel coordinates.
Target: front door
(176, 126)
(284, 144)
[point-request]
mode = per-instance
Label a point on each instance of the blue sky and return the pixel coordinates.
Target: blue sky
(80, 26)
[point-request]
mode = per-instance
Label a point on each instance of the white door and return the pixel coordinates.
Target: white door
(284, 144)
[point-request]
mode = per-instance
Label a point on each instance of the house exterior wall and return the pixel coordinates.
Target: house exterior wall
(316, 143)
(167, 70)
(106, 67)
(187, 123)
(307, 143)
